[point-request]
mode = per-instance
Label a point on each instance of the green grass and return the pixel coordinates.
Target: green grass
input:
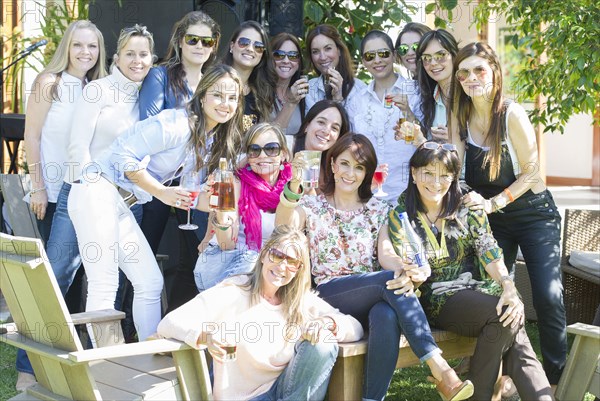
(407, 385)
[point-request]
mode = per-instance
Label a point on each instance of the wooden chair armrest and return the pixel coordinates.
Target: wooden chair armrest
(97, 316)
(141, 348)
(586, 330)
(27, 344)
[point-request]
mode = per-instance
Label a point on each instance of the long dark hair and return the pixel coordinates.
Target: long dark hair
(426, 83)
(462, 106)
(445, 159)
(276, 43)
(175, 71)
(362, 149)
(300, 142)
(227, 136)
(263, 79)
(345, 66)
(416, 27)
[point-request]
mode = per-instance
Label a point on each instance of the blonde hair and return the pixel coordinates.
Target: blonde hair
(130, 32)
(293, 294)
(60, 60)
(258, 129)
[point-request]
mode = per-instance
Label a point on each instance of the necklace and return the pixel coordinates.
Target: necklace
(434, 229)
(372, 119)
(338, 222)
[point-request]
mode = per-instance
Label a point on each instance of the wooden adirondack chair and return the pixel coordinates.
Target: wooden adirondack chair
(64, 370)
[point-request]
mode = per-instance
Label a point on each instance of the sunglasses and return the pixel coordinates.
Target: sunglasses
(292, 264)
(465, 73)
(435, 146)
(270, 149)
(281, 54)
(403, 49)
(438, 57)
(243, 42)
(382, 53)
(192, 40)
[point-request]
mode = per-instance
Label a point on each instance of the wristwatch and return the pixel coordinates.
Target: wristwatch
(505, 278)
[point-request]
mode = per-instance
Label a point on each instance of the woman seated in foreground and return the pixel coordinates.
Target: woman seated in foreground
(469, 291)
(285, 335)
(356, 268)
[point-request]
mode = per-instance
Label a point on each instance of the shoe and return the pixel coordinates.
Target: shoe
(451, 388)
(509, 390)
(24, 380)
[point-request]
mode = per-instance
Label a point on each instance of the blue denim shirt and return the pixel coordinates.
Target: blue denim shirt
(158, 144)
(156, 95)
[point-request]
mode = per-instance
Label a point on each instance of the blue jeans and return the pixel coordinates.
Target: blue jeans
(306, 376)
(532, 222)
(215, 265)
(365, 297)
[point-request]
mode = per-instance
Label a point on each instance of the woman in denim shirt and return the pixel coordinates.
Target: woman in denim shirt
(192, 49)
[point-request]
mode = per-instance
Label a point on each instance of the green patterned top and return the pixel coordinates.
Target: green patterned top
(470, 245)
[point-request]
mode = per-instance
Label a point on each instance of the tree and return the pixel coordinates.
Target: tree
(561, 54)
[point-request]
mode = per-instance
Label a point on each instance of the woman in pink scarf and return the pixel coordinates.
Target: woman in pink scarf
(239, 235)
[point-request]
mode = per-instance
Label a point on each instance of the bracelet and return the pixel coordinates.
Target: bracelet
(291, 195)
(34, 191)
(222, 227)
(505, 278)
(333, 328)
(509, 194)
(287, 203)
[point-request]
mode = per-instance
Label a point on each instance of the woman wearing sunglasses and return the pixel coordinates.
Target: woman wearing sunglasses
(292, 87)
(164, 146)
(285, 336)
(501, 167)
(356, 269)
(239, 235)
(171, 85)
(331, 59)
(250, 55)
(374, 116)
(469, 291)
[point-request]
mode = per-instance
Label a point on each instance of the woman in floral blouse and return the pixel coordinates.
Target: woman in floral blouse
(349, 245)
(469, 291)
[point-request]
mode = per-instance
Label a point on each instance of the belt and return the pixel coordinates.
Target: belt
(128, 197)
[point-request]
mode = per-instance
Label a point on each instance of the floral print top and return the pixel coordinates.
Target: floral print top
(343, 242)
(471, 247)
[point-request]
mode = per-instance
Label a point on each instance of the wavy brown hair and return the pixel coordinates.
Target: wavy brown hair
(276, 43)
(227, 136)
(175, 70)
(462, 105)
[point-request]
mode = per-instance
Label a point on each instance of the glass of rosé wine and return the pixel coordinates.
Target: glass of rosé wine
(378, 179)
(190, 182)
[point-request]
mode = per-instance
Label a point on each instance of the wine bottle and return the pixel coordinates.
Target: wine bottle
(414, 248)
(226, 191)
(213, 201)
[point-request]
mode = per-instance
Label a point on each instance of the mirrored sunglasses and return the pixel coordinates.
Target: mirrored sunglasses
(192, 40)
(403, 49)
(270, 149)
(291, 55)
(438, 57)
(292, 264)
(243, 42)
(382, 53)
(465, 73)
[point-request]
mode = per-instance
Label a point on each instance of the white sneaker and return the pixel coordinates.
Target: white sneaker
(24, 380)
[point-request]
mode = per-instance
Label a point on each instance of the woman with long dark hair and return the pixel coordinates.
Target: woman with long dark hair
(501, 166)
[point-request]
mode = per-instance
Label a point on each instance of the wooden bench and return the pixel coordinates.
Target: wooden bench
(347, 376)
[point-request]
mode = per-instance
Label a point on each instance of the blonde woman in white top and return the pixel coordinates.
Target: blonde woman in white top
(79, 58)
(285, 335)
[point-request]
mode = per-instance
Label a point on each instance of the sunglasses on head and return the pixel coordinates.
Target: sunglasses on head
(465, 73)
(382, 53)
(435, 146)
(243, 42)
(292, 264)
(403, 49)
(270, 149)
(192, 40)
(281, 54)
(438, 57)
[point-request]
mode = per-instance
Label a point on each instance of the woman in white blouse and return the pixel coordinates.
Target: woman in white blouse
(285, 335)
(148, 154)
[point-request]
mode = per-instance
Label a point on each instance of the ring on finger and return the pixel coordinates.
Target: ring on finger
(178, 203)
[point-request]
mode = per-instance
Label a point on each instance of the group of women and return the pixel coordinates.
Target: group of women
(136, 131)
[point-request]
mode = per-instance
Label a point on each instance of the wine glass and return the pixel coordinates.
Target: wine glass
(191, 183)
(378, 179)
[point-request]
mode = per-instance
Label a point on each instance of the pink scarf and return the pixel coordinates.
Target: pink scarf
(257, 195)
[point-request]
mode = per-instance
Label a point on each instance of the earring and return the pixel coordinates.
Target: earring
(248, 168)
(281, 167)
